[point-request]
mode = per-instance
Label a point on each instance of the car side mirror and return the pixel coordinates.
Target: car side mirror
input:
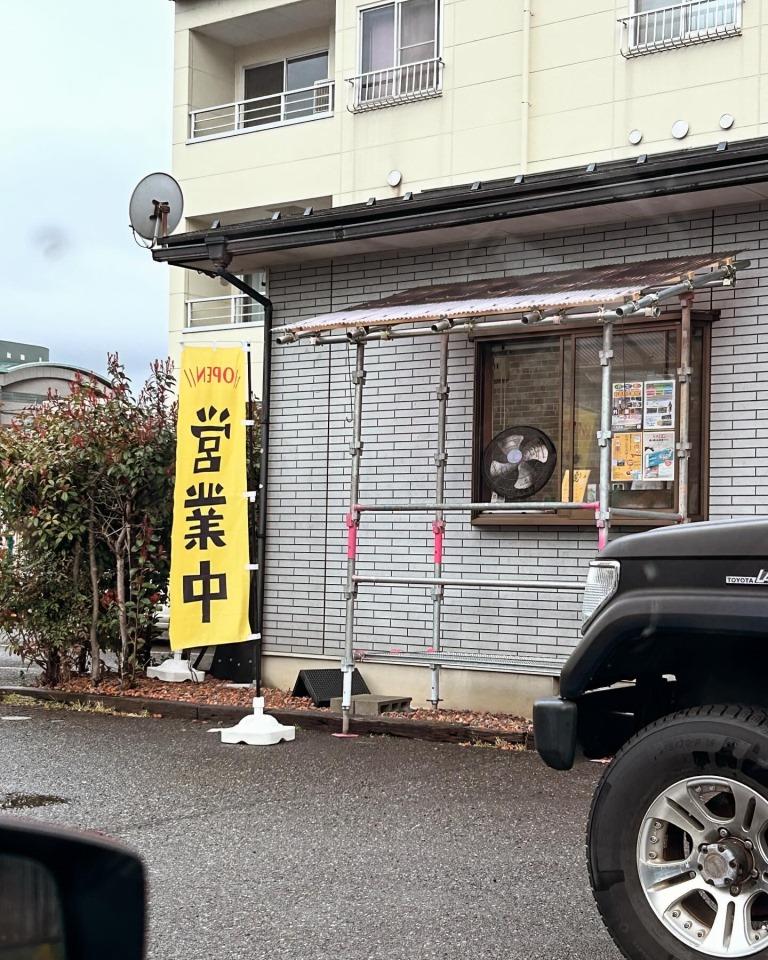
(68, 896)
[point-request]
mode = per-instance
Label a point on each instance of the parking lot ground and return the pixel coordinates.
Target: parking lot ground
(369, 849)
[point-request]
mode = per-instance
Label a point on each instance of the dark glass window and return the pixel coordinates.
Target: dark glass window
(553, 383)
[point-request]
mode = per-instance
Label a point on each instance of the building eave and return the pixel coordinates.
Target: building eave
(742, 164)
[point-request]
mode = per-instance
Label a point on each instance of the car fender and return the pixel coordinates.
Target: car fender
(662, 616)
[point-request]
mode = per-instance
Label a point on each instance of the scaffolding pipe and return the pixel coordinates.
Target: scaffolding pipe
(438, 526)
(461, 325)
(684, 379)
(604, 437)
(353, 523)
(639, 514)
(572, 586)
(426, 507)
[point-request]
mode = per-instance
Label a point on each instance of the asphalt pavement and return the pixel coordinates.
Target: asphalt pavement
(367, 849)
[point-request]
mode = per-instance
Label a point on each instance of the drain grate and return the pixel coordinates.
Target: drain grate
(22, 801)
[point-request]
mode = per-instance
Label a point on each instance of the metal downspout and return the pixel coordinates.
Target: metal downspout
(222, 258)
(525, 99)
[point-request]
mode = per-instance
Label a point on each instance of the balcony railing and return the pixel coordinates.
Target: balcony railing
(681, 24)
(259, 113)
(385, 88)
(222, 312)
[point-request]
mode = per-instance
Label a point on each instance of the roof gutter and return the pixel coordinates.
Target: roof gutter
(680, 172)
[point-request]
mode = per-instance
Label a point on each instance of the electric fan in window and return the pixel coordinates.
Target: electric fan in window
(518, 462)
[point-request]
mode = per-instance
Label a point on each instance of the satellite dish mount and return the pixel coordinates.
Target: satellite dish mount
(160, 216)
(152, 218)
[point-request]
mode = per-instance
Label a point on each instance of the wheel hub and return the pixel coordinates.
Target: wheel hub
(726, 863)
(702, 856)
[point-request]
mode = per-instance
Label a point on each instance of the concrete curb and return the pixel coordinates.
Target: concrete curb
(307, 720)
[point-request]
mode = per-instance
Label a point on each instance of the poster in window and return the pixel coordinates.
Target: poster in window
(659, 455)
(626, 457)
(580, 484)
(659, 411)
(628, 406)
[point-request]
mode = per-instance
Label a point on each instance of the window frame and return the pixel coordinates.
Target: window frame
(685, 36)
(483, 385)
(284, 61)
(397, 46)
(229, 325)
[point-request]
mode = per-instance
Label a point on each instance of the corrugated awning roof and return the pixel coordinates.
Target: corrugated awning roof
(568, 290)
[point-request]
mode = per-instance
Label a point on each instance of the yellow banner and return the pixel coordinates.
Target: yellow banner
(209, 541)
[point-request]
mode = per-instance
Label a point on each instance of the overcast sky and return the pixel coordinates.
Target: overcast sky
(86, 113)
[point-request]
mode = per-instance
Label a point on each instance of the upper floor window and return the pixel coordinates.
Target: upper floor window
(660, 25)
(285, 91)
(223, 311)
(399, 53)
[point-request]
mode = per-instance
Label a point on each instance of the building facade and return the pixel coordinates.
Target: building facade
(342, 152)
(28, 376)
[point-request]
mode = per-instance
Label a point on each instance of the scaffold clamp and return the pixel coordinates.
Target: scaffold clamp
(438, 528)
(605, 357)
(352, 521)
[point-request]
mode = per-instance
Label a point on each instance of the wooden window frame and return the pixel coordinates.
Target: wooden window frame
(482, 406)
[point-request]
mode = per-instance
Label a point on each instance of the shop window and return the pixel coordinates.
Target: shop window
(552, 385)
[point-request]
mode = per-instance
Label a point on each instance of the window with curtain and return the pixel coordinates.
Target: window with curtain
(553, 384)
(662, 22)
(398, 48)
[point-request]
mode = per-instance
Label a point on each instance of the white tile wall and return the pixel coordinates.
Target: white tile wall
(311, 430)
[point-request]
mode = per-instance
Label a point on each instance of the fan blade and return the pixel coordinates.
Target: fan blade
(501, 471)
(536, 451)
(525, 477)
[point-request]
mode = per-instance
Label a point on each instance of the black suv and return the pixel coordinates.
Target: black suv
(670, 680)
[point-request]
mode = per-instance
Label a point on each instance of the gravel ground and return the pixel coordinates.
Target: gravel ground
(365, 849)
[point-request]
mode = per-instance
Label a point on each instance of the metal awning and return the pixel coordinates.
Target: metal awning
(539, 295)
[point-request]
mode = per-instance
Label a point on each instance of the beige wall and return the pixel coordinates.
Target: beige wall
(460, 689)
(584, 99)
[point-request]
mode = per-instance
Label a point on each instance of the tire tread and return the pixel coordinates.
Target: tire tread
(749, 715)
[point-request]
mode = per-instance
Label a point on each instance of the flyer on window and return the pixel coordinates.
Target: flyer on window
(659, 397)
(628, 405)
(659, 455)
(626, 457)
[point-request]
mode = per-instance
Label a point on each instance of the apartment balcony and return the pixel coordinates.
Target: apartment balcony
(203, 313)
(404, 84)
(262, 113)
(680, 25)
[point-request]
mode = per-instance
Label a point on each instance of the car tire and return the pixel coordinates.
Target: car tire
(678, 831)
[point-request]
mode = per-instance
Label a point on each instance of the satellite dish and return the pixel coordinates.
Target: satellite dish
(156, 206)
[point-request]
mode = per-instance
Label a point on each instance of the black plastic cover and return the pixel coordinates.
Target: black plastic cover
(554, 729)
(323, 685)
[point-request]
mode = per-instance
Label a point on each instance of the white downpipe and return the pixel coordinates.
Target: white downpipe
(525, 102)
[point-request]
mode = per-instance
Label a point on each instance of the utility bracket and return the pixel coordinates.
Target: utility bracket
(605, 357)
